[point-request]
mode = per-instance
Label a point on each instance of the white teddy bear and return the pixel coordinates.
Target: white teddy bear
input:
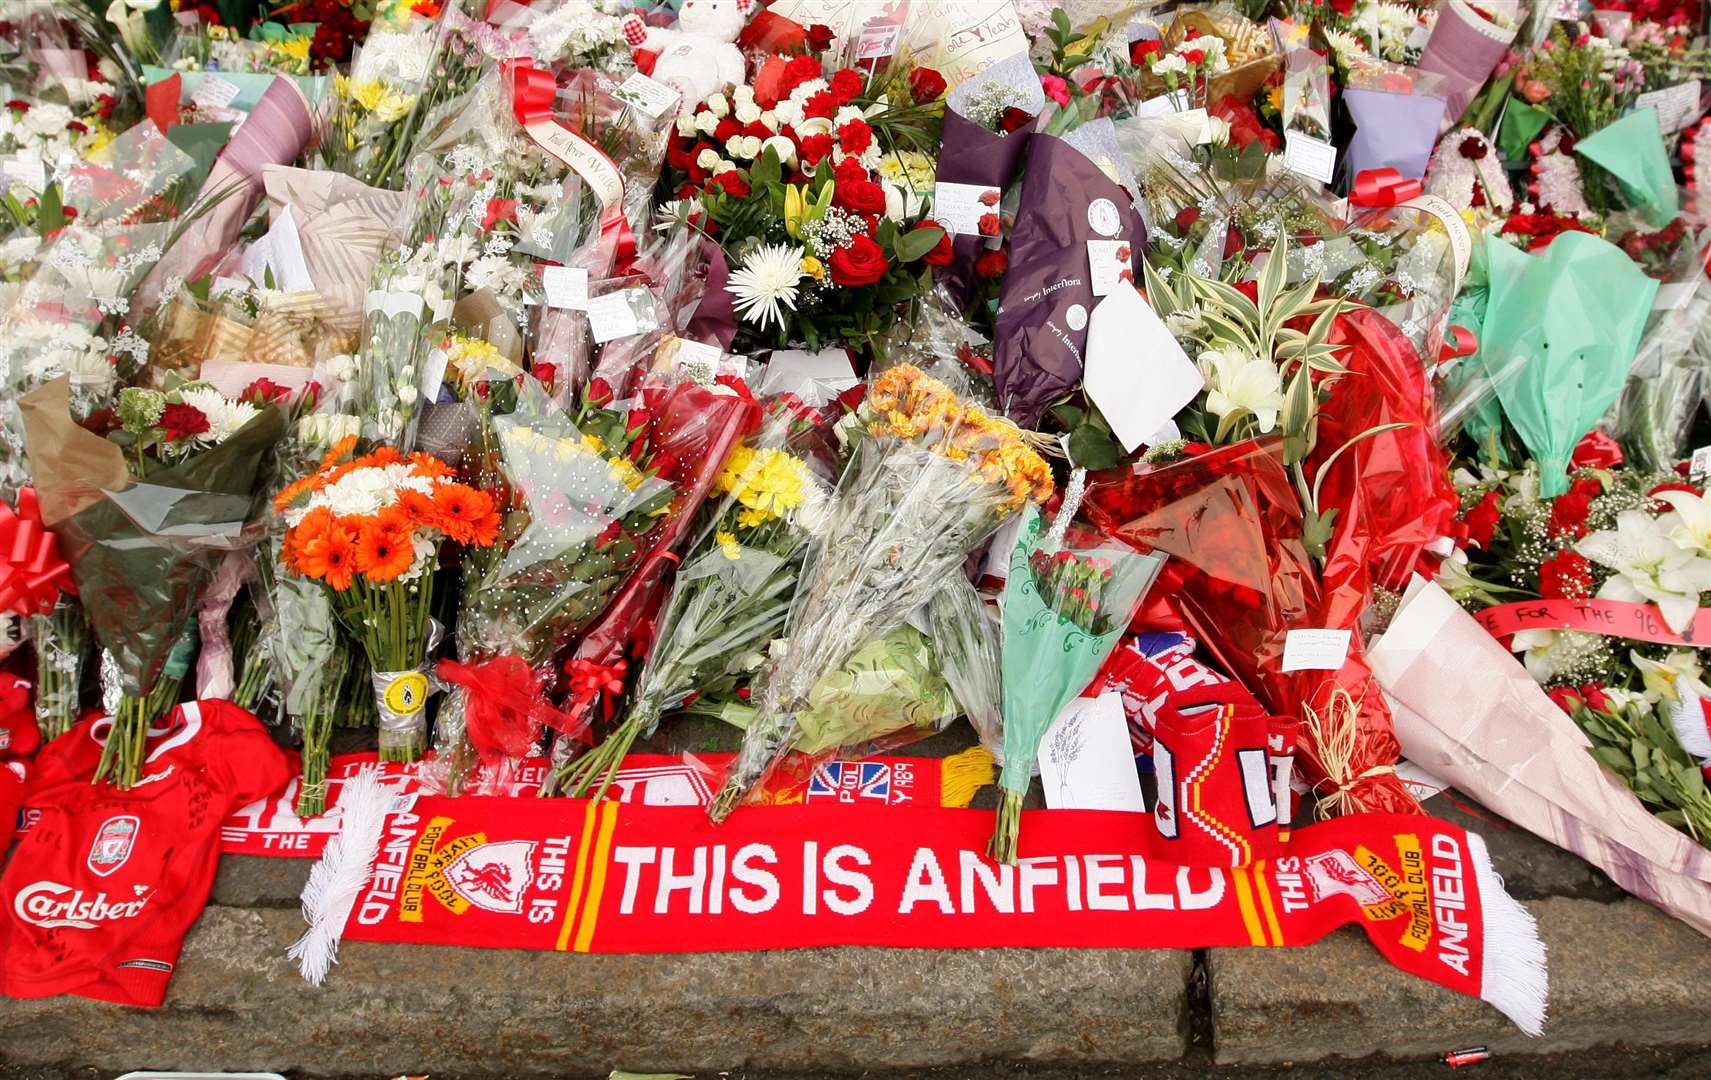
(698, 56)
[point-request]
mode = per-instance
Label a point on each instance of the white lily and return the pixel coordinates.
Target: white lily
(1679, 671)
(1242, 383)
(1649, 566)
(1689, 520)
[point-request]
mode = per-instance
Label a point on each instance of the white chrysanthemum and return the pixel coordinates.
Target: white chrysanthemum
(767, 284)
(47, 118)
(224, 417)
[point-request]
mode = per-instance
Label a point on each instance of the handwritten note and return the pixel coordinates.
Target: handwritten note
(1315, 650)
(1613, 618)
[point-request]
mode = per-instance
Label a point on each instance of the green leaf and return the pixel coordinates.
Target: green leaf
(1298, 410)
(767, 171)
(1271, 278)
(1092, 448)
(1613, 759)
(1068, 415)
(50, 212)
(1316, 530)
(915, 243)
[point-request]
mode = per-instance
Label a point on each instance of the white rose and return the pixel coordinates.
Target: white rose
(406, 395)
(706, 159)
(741, 94)
(718, 106)
(686, 125)
(782, 147)
(747, 112)
(706, 122)
(770, 119)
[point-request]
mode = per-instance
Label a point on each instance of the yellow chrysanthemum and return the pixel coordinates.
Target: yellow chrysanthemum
(728, 544)
(767, 483)
(911, 168)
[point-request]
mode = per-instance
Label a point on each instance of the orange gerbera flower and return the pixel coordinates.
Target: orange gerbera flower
(383, 554)
(339, 452)
(296, 490)
(314, 524)
(429, 465)
(459, 508)
(486, 531)
(420, 509)
(330, 557)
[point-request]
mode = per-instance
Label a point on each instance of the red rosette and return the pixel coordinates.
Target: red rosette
(33, 573)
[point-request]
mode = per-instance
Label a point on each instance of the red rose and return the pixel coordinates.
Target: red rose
(846, 84)
(179, 421)
(988, 225)
(264, 391)
(992, 263)
(1565, 576)
(855, 137)
(1141, 48)
(1593, 694)
(861, 262)
(813, 148)
(731, 183)
(925, 85)
(1481, 520)
(1232, 242)
(941, 253)
(545, 373)
(819, 37)
(1675, 485)
(599, 392)
(860, 195)
(1186, 217)
(1014, 119)
(989, 197)
(1566, 698)
(1596, 450)
(726, 129)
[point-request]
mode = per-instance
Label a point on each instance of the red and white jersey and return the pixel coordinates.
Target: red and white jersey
(105, 883)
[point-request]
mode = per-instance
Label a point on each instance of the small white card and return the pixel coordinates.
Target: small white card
(280, 251)
(1420, 783)
(1315, 650)
(1164, 104)
(1086, 760)
(565, 287)
(1135, 371)
(650, 97)
(613, 316)
(213, 92)
(1309, 157)
(966, 209)
(1110, 263)
(1677, 106)
(815, 377)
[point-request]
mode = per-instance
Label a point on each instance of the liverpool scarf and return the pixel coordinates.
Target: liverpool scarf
(615, 878)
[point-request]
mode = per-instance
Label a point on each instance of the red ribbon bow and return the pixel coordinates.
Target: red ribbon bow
(505, 705)
(32, 571)
(1458, 342)
(590, 680)
(1383, 187)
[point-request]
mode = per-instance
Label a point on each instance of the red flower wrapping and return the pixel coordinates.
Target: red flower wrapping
(1239, 580)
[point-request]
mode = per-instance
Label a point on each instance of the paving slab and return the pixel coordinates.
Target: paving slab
(388, 1009)
(1619, 973)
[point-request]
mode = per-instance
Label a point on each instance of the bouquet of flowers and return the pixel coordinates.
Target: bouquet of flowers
(578, 517)
(369, 530)
(930, 477)
(1599, 590)
(790, 172)
(1065, 603)
(731, 595)
(144, 516)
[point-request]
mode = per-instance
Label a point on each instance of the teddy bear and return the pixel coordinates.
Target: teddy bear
(698, 56)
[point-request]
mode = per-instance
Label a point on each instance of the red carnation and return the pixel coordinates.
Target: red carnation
(1194, 56)
(498, 210)
(992, 263)
(1141, 48)
(732, 183)
(860, 195)
(846, 84)
(855, 137)
(820, 106)
(1481, 520)
(1569, 510)
(798, 70)
(1565, 576)
(179, 421)
(861, 262)
(925, 85)
(941, 253)
(814, 147)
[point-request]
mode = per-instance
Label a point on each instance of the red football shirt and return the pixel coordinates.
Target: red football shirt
(104, 885)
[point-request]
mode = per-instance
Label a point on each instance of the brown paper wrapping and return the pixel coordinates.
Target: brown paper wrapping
(71, 465)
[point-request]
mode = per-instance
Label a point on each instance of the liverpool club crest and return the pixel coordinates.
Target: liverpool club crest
(113, 844)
